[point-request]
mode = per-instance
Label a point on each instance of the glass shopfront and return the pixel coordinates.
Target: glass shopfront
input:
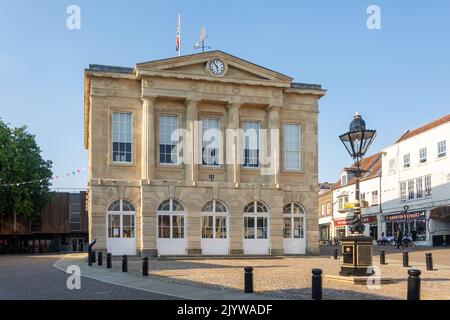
(408, 224)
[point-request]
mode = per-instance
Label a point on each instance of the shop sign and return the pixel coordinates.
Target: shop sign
(369, 219)
(406, 216)
(343, 222)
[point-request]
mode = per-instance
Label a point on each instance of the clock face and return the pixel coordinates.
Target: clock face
(217, 67)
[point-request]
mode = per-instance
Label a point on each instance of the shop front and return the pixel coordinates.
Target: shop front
(371, 224)
(439, 226)
(409, 223)
(341, 227)
(324, 231)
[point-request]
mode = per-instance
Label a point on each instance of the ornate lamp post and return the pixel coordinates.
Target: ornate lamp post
(357, 248)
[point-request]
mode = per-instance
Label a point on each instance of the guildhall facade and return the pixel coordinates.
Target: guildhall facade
(201, 154)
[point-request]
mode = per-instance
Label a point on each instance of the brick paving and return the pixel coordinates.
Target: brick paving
(24, 277)
(290, 278)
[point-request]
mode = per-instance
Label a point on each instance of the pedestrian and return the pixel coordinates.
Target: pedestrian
(413, 237)
(399, 238)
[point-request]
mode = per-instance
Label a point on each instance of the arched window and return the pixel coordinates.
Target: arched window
(121, 219)
(171, 219)
(214, 220)
(256, 218)
(294, 221)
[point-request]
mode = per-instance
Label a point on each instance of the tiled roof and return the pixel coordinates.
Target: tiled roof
(106, 68)
(411, 133)
(370, 164)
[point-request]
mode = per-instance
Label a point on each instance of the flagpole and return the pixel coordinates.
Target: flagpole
(179, 28)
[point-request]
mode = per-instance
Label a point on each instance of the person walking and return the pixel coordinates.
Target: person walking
(399, 238)
(413, 237)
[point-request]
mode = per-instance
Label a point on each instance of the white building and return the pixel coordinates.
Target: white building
(370, 198)
(416, 177)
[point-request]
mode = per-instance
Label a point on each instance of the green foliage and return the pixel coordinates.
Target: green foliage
(21, 161)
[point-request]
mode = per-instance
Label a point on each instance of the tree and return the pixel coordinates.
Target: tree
(21, 161)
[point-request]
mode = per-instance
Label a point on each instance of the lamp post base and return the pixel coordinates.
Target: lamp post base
(356, 256)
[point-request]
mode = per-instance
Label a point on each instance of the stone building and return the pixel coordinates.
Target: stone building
(224, 184)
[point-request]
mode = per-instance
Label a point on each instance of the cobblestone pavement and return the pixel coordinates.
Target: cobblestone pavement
(25, 277)
(290, 278)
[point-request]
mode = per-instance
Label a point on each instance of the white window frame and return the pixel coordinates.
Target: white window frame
(258, 145)
(174, 151)
(411, 189)
(375, 198)
(121, 135)
(442, 149)
(406, 161)
(423, 155)
(122, 213)
(214, 214)
(427, 186)
(296, 149)
(171, 214)
(255, 215)
(217, 156)
(292, 216)
(403, 192)
(392, 166)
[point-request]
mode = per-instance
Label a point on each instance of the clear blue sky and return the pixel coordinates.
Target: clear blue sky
(397, 77)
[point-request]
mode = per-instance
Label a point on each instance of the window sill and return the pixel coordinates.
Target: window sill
(121, 164)
(441, 158)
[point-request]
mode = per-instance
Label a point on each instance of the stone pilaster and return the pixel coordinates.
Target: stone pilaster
(148, 138)
(232, 143)
(273, 123)
(191, 144)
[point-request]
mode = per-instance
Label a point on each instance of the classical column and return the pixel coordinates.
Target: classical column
(233, 152)
(273, 117)
(191, 144)
(148, 138)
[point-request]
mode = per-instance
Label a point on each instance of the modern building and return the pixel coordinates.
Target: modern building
(201, 154)
(416, 184)
(62, 228)
(343, 199)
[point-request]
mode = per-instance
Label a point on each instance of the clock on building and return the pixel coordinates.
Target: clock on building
(217, 67)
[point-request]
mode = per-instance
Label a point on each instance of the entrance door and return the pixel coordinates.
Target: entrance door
(294, 229)
(77, 245)
(121, 222)
(215, 239)
(171, 228)
(256, 228)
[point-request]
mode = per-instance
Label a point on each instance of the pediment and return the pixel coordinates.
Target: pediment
(196, 66)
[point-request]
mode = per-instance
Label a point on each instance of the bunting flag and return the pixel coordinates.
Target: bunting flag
(17, 184)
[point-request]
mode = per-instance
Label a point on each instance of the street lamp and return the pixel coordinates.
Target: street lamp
(357, 249)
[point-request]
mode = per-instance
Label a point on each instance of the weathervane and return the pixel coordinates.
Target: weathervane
(201, 42)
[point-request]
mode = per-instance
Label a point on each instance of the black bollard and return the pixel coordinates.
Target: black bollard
(248, 279)
(429, 260)
(382, 257)
(316, 290)
(100, 258)
(405, 259)
(145, 267)
(413, 284)
(93, 257)
(90, 257)
(109, 260)
(124, 263)
(335, 254)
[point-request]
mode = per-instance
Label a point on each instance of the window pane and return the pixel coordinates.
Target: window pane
(287, 227)
(291, 146)
(122, 137)
(298, 227)
(210, 141)
(178, 227)
(168, 153)
(261, 228)
(221, 227)
(251, 144)
(207, 227)
(128, 226)
(249, 227)
(114, 226)
(164, 226)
